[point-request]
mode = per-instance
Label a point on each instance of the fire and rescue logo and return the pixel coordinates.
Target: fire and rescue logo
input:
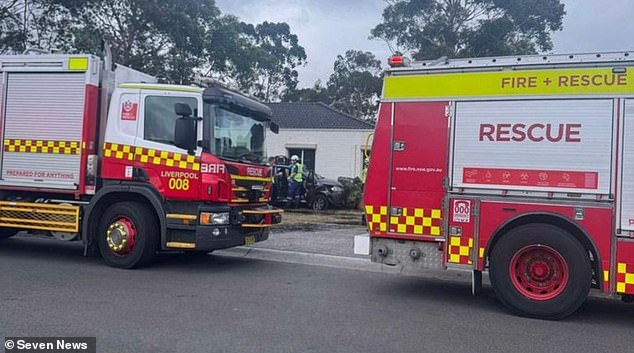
(128, 110)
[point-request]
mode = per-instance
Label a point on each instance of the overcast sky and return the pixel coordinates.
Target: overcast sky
(327, 28)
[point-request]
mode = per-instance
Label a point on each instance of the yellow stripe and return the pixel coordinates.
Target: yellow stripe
(505, 83)
(256, 225)
(33, 210)
(239, 200)
(262, 212)
(181, 216)
(178, 245)
(37, 221)
(239, 177)
(40, 205)
(162, 88)
(36, 227)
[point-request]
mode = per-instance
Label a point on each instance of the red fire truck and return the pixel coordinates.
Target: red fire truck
(128, 166)
(522, 166)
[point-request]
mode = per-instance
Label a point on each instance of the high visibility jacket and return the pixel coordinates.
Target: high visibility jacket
(296, 171)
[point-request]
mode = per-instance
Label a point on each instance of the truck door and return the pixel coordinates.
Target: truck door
(626, 188)
(171, 169)
(419, 162)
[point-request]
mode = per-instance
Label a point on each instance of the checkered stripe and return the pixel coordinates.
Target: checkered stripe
(377, 218)
(150, 156)
(460, 250)
(418, 221)
(624, 278)
(42, 146)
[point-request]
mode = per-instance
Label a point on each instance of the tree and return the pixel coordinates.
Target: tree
(317, 93)
(462, 28)
(353, 88)
(265, 65)
(171, 39)
(32, 24)
(12, 33)
(355, 85)
(162, 37)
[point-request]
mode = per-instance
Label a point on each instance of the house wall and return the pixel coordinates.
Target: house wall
(337, 152)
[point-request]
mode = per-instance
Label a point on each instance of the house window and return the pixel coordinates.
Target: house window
(160, 118)
(306, 156)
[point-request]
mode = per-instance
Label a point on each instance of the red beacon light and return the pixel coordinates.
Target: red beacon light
(397, 60)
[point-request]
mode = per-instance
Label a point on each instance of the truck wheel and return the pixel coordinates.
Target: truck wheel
(320, 203)
(128, 235)
(540, 271)
(6, 233)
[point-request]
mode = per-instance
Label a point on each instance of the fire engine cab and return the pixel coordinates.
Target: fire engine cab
(103, 154)
(520, 166)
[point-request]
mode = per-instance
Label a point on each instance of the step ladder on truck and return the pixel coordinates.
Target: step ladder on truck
(520, 166)
(103, 154)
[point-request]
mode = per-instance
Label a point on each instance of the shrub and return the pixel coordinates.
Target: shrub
(353, 189)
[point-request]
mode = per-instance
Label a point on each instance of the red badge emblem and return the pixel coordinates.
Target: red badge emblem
(128, 110)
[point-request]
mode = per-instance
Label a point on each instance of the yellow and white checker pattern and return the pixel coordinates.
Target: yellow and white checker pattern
(624, 278)
(459, 250)
(377, 218)
(42, 146)
(151, 156)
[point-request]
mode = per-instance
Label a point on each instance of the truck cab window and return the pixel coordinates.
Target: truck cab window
(160, 117)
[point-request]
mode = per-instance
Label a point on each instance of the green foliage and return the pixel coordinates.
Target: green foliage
(463, 28)
(32, 24)
(266, 66)
(171, 39)
(353, 88)
(356, 83)
(353, 189)
(12, 34)
(161, 37)
(317, 93)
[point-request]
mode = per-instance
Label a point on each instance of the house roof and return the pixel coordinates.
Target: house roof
(314, 115)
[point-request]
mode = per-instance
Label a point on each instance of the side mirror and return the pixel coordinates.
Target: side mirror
(185, 133)
(275, 128)
(182, 109)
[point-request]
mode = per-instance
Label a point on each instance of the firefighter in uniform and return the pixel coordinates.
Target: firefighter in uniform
(296, 180)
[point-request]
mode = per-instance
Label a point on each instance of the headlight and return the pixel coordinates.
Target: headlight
(336, 189)
(209, 218)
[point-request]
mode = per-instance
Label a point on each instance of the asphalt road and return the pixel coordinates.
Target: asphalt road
(239, 304)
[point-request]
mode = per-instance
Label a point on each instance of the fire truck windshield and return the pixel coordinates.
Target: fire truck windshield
(236, 136)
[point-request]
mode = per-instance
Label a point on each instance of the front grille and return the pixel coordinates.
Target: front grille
(243, 190)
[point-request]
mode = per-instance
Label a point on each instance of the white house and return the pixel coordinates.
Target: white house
(328, 141)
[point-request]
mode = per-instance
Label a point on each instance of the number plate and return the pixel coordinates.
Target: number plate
(250, 240)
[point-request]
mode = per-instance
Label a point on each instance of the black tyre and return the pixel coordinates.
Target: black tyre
(320, 203)
(6, 233)
(540, 271)
(128, 235)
